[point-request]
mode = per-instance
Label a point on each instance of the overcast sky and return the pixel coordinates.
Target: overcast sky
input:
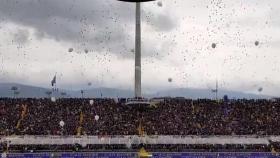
(35, 36)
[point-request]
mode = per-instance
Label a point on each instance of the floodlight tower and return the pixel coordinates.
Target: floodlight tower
(137, 82)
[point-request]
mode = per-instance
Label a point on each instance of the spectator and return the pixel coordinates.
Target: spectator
(171, 117)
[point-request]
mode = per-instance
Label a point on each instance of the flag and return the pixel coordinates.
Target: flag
(53, 80)
(144, 153)
(140, 129)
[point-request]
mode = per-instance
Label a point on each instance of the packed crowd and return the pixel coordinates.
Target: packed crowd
(169, 117)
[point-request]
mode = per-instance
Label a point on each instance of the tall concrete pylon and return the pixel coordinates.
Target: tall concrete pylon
(137, 79)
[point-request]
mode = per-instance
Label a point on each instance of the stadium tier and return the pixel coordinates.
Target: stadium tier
(110, 117)
(173, 125)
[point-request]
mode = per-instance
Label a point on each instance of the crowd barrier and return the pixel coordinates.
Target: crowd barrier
(135, 139)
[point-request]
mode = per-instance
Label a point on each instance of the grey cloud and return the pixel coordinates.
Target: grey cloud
(150, 50)
(274, 20)
(162, 22)
(87, 22)
(21, 37)
(39, 35)
(99, 25)
(275, 43)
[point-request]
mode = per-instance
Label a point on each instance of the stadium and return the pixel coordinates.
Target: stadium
(70, 119)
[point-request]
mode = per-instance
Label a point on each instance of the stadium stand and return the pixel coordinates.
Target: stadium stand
(208, 121)
(171, 117)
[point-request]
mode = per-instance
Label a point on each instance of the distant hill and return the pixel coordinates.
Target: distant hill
(27, 91)
(103, 92)
(206, 93)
